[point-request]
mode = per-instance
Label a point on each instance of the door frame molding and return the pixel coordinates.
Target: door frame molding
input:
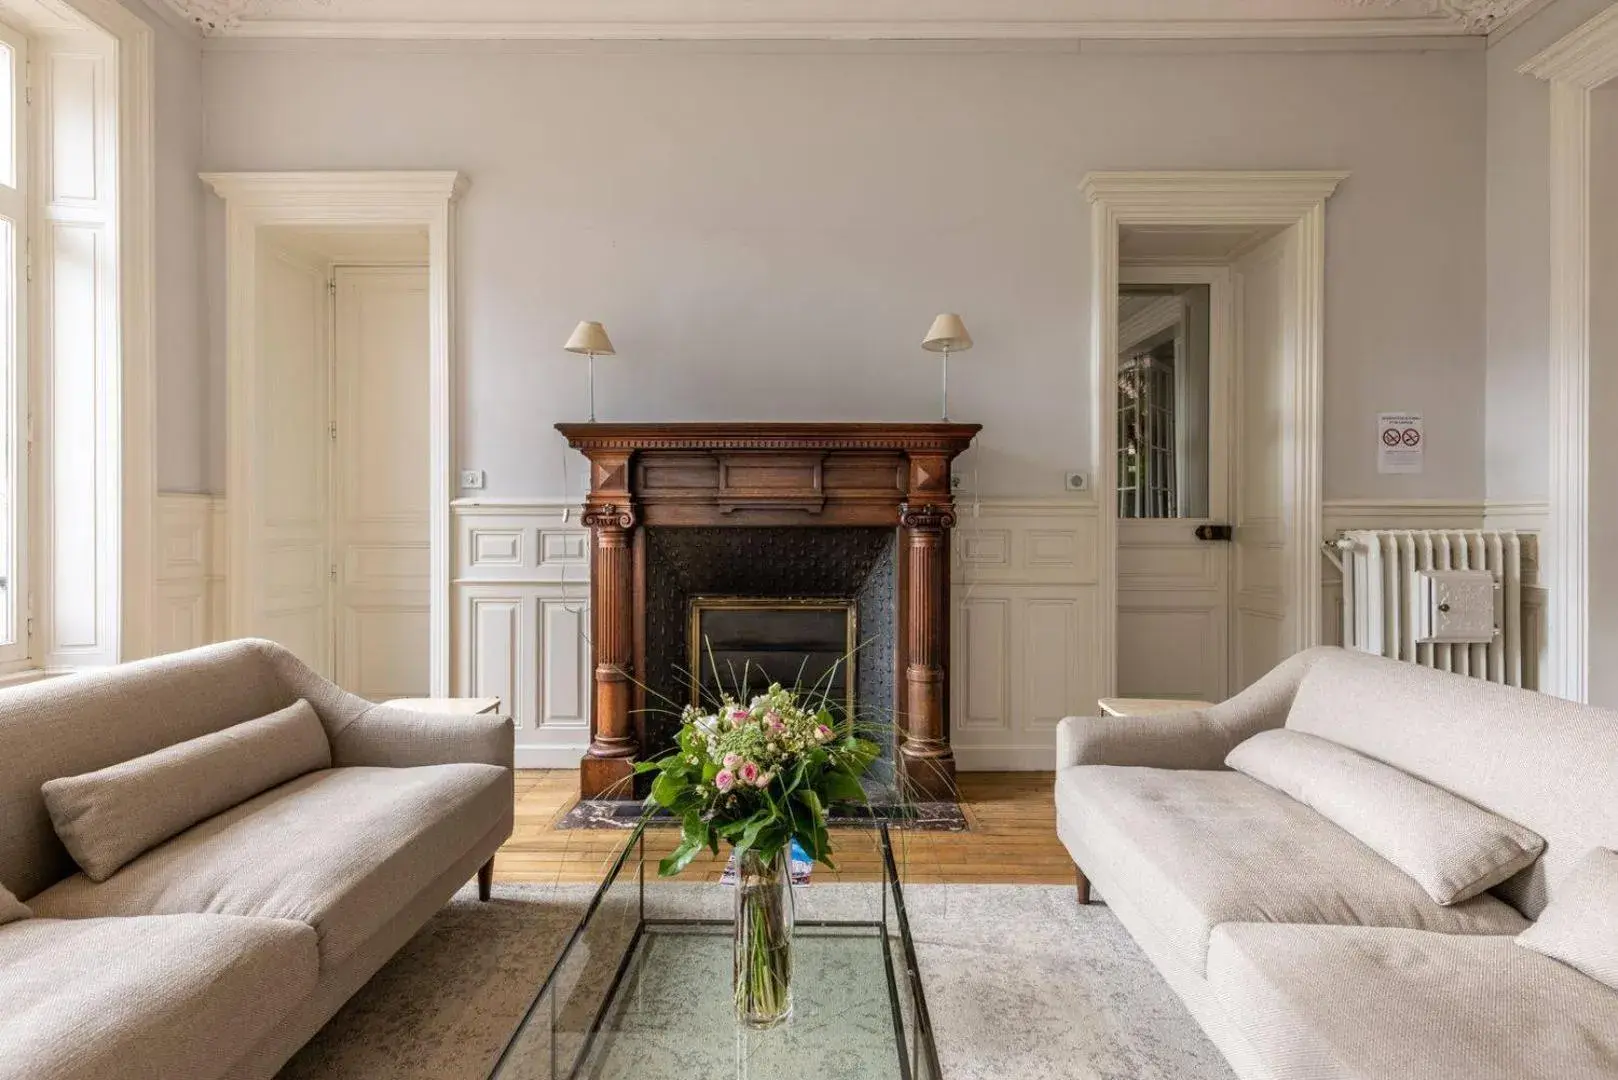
(1575, 67)
(1285, 198)
(255, 200)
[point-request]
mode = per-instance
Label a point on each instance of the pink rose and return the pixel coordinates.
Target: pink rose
(738, 716)
(749, 773)
(731, 761)
(764, 779)
(822, 732)
(725, 780)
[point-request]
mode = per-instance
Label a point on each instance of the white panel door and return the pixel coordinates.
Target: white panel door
(1173, 473)
(1263, 485)
(288, 596)
(379, 491)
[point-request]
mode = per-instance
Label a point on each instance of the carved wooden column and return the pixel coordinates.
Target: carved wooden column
(925, 758)
(609, 764)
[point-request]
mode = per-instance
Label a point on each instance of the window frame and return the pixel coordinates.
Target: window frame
(16, 382)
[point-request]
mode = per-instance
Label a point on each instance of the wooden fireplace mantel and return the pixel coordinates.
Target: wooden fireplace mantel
(770, 474)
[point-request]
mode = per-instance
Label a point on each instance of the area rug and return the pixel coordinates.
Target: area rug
(1021, 982)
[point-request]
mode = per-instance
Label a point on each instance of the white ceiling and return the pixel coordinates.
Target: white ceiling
(848, 19)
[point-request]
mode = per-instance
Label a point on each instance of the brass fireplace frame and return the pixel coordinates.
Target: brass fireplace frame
(699, 604)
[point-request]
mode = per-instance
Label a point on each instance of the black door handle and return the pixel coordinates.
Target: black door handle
(1213, 532)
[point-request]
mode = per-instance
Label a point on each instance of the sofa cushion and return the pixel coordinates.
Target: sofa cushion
(342, 850)
(107, 817)
(146, 998)
(1547, 764)
(1330, 1002)
(1452, 848)
(11, 909)
(1196, 849)
(1580, 926)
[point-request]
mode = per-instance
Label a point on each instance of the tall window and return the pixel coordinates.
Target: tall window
(14, 470)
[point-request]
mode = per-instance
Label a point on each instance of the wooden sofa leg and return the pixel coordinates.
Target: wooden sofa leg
(485, 880)
(1084, 885)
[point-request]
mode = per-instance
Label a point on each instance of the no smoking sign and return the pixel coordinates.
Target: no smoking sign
(1400, 442)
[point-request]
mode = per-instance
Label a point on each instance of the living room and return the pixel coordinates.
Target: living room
(1027, 538)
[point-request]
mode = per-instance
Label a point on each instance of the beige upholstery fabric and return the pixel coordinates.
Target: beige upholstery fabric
(1351, 1003)
(11, 909)
(107, 817)
(338, 983)
(341, 850)
(1580, 927)
(1549, 765)
(1451, 848)
(164, 998)
(1196, 849)
(1194, 739)
(399, 738)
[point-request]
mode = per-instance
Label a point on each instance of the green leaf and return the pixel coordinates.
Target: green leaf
(842, 786)
(679, 859)
(668, 787)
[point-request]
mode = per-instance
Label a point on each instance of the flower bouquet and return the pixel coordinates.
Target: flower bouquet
(758, 776)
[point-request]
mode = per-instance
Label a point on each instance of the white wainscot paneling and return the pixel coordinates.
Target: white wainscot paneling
(189, 578)
(1023, 633)
(521, 622)
(1024, 630)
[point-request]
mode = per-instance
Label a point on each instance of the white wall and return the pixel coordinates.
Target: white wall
(1518, 307)
(182, 370)
(1603, 511)
(767, 230)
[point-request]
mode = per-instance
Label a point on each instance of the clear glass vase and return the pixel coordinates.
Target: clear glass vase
(763, 947)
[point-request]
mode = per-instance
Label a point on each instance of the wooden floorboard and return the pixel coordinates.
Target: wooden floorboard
(1011, 839)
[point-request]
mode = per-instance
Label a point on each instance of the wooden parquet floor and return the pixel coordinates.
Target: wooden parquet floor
(1012, 839)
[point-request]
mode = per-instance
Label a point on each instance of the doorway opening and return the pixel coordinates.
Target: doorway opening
(327, 546)
(342, 508)
(1207, 300)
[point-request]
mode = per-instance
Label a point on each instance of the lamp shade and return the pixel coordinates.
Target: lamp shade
(590, 338)
(948, 332)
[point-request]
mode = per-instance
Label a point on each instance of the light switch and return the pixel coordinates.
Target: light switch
(472, 479)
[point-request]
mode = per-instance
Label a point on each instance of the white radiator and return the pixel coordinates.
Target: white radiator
(1449, 599)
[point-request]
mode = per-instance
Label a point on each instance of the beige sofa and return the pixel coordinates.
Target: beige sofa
(219, 952)
(1300, 950)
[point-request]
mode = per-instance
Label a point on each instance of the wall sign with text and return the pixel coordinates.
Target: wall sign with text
(1400, 442)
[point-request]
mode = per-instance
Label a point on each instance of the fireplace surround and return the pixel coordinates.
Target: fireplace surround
(769, 510)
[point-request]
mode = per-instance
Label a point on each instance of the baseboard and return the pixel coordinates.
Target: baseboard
(549, 757)
(1005, 758)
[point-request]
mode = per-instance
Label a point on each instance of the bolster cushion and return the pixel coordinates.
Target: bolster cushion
(1580, 925)
(108, 817)
(1450, 847)
(12, 909)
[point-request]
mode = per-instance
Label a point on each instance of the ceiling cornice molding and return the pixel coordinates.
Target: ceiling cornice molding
(1005, 20)
(1588, 57)
(1476, 16)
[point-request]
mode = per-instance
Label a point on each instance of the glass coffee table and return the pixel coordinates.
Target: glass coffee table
(642, 988)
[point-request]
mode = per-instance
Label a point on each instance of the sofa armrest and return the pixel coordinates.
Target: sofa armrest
(1193, 739)
(401, 738)
(1181, 740)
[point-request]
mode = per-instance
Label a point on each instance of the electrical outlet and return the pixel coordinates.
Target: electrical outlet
(472, 479)
(1077, 481)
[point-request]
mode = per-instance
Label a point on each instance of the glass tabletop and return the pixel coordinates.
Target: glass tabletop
(642, 988)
